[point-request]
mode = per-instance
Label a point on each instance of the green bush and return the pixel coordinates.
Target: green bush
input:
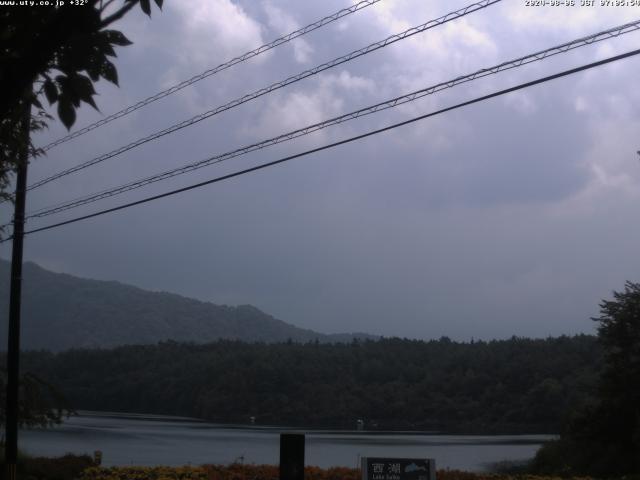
(68, 467)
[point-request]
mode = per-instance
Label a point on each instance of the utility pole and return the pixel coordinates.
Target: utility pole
(13, 351)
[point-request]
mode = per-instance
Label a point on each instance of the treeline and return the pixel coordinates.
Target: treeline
(517, 385)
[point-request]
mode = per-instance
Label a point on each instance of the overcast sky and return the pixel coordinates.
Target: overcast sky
(515, 216)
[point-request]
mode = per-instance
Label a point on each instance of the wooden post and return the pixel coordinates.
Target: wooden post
(291, 456)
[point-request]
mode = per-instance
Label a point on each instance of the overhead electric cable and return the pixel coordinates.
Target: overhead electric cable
(223, 66)
(341, 142)
(533, 57)
(275, 86)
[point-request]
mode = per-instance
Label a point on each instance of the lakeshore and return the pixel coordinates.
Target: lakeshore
(157, 440)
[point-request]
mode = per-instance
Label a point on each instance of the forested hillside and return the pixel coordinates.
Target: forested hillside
(517, 385)
(62, 311)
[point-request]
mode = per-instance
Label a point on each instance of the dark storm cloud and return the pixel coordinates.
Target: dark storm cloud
(508, 217)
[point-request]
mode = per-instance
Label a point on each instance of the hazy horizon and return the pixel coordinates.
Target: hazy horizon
(458, 340)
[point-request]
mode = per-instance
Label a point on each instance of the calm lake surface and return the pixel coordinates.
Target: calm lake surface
(158, 440)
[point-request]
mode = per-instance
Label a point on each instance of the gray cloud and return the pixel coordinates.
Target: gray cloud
(510, 217)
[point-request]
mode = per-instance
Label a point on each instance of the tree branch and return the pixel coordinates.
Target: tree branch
(118, 14)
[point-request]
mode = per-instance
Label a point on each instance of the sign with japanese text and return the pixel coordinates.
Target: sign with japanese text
(398, 468)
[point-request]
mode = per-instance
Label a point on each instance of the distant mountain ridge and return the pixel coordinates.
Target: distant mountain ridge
(60, 311)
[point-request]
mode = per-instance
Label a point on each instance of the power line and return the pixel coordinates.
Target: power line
(537, 56)
(342, 142)
(275, 86)
(223, 66)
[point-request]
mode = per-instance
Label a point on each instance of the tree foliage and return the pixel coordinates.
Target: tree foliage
(40, 404)
(516, 385)
(603, 439)
(57, 54)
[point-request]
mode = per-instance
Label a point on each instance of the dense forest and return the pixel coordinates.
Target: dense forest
(517, 385)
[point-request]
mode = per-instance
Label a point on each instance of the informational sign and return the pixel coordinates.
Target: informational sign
(398, 468)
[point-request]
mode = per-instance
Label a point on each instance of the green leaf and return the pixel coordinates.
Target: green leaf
(93, 68)
(91, 102)
(83, 86)
(74, 55)
(67, 113)
(109, 72)
(159, 4)
(108, 50)
(84, 89)
(51, 91)
(116, 38)
(145, 5)
(68, 92)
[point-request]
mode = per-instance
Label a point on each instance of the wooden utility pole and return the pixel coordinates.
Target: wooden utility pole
(13, 351)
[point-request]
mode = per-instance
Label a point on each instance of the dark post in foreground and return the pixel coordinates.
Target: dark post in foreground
(291, 456)
(13, 351)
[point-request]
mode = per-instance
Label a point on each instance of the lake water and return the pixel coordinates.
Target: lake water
(158, 440)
